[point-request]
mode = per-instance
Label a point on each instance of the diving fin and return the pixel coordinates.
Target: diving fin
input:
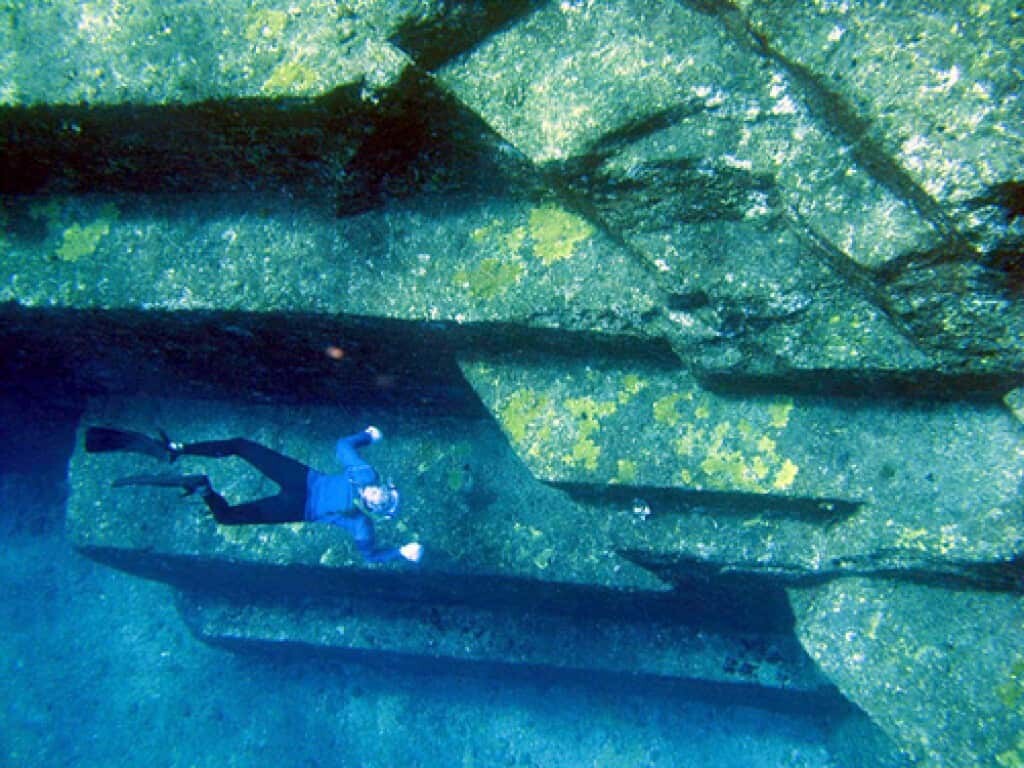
(188, 483)
(107, 440)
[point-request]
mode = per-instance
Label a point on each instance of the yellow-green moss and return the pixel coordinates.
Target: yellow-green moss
(664, 409)
(785, 476)
(687, 442)
(264, 24)
(586, 452)
(81, 240)
(1012, 692)
(491, 277)
(625, 472)
(586, 413)
(779, 412)
(632, 385)
(726, 455)
(515, 239)
(556, 232)
(522, 408)
(290, 77)
(1014, 757)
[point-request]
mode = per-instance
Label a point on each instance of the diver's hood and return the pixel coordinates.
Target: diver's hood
(387, 506)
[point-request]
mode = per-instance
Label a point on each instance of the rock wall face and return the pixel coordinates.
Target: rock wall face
(707, 308)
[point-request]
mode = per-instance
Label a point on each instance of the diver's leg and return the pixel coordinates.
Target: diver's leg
(283, 508)
(286, 472)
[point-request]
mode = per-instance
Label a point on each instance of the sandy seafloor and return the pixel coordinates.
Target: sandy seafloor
(98, 670)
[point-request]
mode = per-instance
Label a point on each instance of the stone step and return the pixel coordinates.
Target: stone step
(491, 532)
(516, 574)
(508, 262)
(796, 213)
(954, 655)
(438, 636)
(969, 130)
(790, 486)
(197, 51)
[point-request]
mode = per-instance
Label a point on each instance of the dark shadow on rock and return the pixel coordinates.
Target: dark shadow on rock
(37, 436)
(277, 357)
(456, 27)
(668, 501)
(909, 385)
(339, 147)
(688, 572)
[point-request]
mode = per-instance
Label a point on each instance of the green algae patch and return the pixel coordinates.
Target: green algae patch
(521, 414)
(785, 475)
(1013, 758)
(556, 233)
(719, 453)
(1011, 693)
(664, 409)
(80, 240)
(665, 430)
(632, 385)
(779, 413)
(625, 472)
(550, 234)
(586, 413)
(491, 277)
(264, 24)
(290, 77)
(558, 432)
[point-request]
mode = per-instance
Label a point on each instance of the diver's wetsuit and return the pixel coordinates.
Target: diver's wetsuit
(305, 496)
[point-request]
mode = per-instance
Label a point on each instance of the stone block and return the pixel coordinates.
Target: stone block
(149, 53)
(940, 671)
(790, 486)
(427, 636)
(491, 531)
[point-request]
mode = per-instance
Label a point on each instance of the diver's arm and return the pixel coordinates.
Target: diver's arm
(347, 447)
(361, 529)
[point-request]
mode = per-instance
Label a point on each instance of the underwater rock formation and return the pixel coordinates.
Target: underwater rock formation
(740, 283)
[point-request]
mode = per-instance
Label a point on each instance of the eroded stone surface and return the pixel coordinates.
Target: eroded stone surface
(869, 485)
(784, 193)
(430, 634)
(940, 671)
(464, 495)
(936, 86)
(515, 261)
(514, 571)
(743, 182)
(149, 53)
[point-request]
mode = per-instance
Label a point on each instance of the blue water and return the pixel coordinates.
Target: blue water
(98, 670)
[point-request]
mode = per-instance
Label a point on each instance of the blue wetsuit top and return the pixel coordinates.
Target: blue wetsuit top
(331, 498)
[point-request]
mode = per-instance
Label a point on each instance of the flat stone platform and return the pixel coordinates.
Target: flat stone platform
(516, 573)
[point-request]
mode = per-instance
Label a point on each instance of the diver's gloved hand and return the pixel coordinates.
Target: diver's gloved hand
(412, 551)
(374, 433)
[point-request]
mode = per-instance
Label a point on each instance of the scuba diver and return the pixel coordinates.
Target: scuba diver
(349, 500)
